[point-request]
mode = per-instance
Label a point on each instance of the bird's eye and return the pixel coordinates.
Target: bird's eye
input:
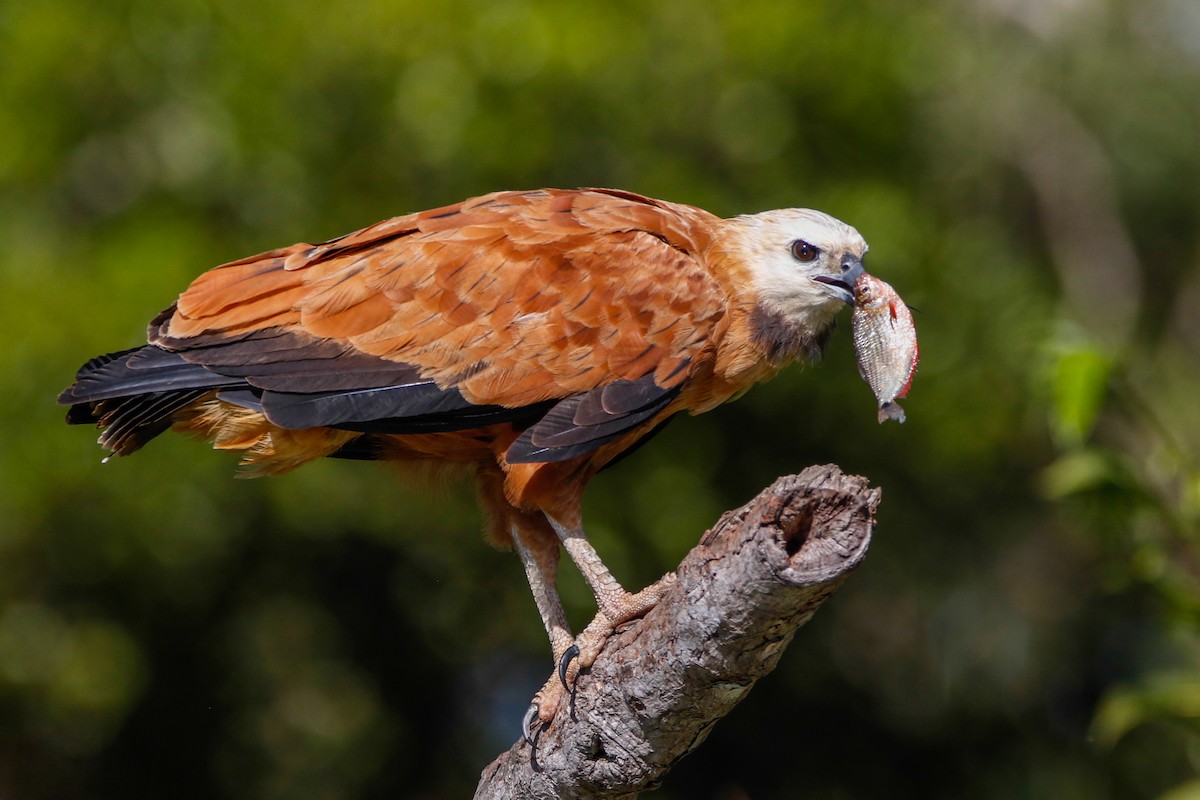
(803, 251)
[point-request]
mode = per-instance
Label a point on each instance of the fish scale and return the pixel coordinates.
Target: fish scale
(885, 343)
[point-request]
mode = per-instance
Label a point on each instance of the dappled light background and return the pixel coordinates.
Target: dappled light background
(1028, 175)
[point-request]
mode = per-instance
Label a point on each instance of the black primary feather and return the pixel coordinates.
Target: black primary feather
(456, 419)
(617, 399)
(133, 394)
(137, 420)
(296, 384)
(295, 410)
(143, 370)
(288, 361)
(464, 419)
(559, 435)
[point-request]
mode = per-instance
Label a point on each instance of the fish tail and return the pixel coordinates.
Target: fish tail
(891, 410)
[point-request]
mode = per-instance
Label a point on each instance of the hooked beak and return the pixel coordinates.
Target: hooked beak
(842, 286)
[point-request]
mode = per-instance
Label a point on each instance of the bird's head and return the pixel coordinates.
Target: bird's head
(802, 265)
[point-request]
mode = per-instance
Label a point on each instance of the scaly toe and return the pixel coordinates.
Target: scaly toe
(544, 707)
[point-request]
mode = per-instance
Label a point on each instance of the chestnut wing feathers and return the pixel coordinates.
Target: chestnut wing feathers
(576, 312)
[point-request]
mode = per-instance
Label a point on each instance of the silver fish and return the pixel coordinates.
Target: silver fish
(885, 341)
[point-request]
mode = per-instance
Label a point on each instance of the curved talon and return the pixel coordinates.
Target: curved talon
(527, 723)
(563, 663)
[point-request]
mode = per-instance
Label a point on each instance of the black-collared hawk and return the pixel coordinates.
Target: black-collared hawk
(531, 337)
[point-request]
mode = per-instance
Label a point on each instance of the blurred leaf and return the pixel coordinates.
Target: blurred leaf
(1171, 697)
(1082, 471)
(1079, 385)
(1186, 791)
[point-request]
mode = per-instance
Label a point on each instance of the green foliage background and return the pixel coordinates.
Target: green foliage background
(1028, 174)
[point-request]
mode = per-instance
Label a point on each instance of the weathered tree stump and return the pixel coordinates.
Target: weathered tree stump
(662, 682)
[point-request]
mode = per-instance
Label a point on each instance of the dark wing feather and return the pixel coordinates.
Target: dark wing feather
(142, 370)
(310, 410)
(293, 361)
(464, 419)
(136, 420)
(242, 397)
(328, 410)
(133, 394)
(616, 399)
(561, 435)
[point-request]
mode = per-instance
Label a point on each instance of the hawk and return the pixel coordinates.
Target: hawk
(528, 337)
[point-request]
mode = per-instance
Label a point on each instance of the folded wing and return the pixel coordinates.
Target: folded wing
(577, 313)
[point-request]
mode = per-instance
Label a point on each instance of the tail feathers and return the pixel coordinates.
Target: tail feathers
(130, 422)
(133, 394)
(142, 370)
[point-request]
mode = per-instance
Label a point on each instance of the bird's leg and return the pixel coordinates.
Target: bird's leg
(538, 550)
(616, 605)
(541, 568)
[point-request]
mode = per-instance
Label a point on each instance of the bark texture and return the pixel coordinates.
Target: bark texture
(662, 682)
